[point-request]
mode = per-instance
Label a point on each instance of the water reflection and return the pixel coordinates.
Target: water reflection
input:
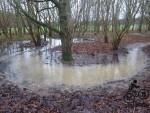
(115, 58)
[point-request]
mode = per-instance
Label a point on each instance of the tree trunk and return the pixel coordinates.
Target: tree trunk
(116, 43)
(105, 32)
(105, 39)
(16, 31)
(10, 33)
(38, 36)
(115, 46)
(115, 58)
(32, 34)
(5, 32)
(66, 47)
(45, 33)
(140, 24)
(64, 16)
(50, 33)
(133, 26)
(24, 29)
(149, 27)
(38, 41)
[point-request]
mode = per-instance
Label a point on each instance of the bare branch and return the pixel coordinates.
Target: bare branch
(53, 1)
(47, 8)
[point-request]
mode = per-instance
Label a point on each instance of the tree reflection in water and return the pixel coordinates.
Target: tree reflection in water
(115, 58)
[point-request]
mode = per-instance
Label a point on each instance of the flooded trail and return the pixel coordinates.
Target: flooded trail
(40, 68)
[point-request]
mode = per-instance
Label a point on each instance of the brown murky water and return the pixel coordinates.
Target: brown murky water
(41, 69)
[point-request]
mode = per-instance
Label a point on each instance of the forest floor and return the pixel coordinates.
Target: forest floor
(101, 99)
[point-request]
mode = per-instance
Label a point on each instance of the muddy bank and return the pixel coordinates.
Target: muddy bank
(100, 99)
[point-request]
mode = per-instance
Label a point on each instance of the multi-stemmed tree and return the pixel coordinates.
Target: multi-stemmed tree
(127, 9)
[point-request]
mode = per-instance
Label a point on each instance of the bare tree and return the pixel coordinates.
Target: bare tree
(5, 19)
(147, 14)
(128, 9)
(142, 9)
(105, 13)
